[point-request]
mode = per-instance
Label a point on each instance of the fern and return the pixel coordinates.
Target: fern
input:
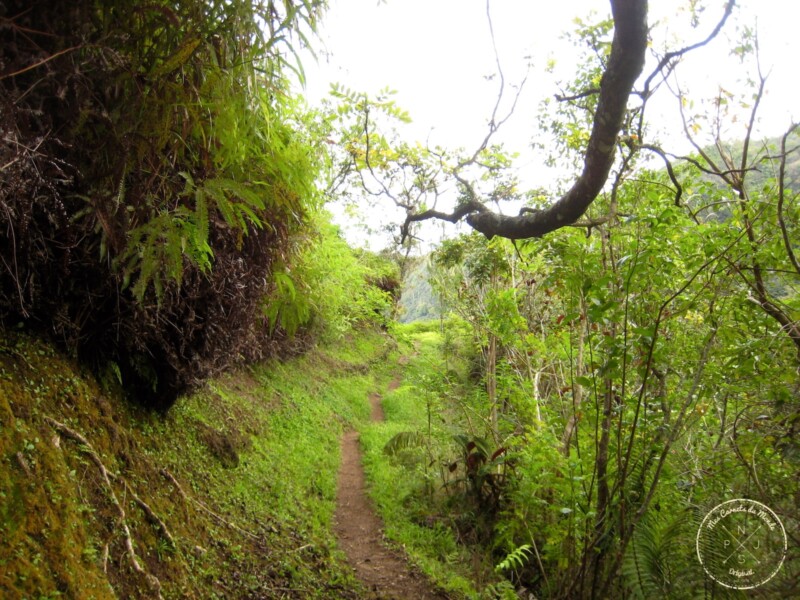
(502, 590)
(201, 217)
(286, 307)
(652, 552)
(235, 201)
(516, 559)
(120, 198)
(403, 441)
(156, 252)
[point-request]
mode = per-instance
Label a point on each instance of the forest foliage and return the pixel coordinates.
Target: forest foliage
(624, 374)
(597, 390)
(159, 184)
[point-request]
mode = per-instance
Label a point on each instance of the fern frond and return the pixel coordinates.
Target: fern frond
(515, 559)
(120, 198)
(403, 441)
(649, 561)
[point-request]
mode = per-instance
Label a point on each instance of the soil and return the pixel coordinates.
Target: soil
(383, 571)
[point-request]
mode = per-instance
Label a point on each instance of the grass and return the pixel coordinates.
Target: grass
(406, 485)
(242, 476)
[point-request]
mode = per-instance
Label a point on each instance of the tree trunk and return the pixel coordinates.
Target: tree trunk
(577, 396)
(491, 384)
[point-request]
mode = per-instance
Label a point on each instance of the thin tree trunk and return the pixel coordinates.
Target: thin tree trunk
(577, 396)
(603, 493)
(491, 383)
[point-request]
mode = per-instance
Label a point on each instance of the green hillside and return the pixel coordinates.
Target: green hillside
(419, 301)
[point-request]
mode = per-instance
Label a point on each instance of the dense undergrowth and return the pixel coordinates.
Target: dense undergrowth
(230, 495)
(484, 502)
(156, 180)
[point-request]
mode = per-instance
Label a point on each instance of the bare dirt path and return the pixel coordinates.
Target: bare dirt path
(383, 571)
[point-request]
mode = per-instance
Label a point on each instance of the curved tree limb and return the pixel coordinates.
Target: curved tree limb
(787, 243)
(625, 63)
(670, 170)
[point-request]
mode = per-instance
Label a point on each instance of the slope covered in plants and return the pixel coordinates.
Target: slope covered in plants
(230, 495)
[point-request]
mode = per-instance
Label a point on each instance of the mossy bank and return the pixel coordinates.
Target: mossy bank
(228, 495)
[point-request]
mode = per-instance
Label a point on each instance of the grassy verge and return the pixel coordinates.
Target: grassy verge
(230, 495)
(403, 461)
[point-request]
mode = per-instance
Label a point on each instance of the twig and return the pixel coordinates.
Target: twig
(670, 170)
(578, 96)
(41, 62)
(188, 498)
(677, 54)
(494, 123)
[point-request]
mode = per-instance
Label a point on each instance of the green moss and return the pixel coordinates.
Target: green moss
(43, 534)
(255, 454)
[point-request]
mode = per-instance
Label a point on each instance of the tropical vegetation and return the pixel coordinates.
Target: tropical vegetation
(185, 334)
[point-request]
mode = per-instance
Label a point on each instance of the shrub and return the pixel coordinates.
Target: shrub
(330, 287)
(152, 179)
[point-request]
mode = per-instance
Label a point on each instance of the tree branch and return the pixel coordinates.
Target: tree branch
(628, 50)
(670, 170)
(578, 96)
(670, 56)
(787, 243)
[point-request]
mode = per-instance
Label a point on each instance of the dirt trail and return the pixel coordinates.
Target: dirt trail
(383, 571)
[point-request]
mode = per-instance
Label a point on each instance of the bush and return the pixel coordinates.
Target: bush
(330, 287)
(152, 179)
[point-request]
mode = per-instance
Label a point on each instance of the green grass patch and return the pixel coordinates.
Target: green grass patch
(405, 484)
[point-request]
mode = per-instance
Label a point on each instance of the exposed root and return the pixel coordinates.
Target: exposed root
(162, 527)
(86, 447)
(205, 508)
(104, 558)
(24, 464)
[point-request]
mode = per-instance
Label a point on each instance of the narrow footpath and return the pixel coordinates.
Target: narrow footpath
(384, 572)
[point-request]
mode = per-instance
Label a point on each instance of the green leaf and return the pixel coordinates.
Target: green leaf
(178, 58)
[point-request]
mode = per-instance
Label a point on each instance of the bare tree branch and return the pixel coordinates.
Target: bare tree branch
(670, 170)
(385, 189)
(781, 199)
(473, 203)
(669, 61)
(494, 123)
(670, 56)
(578, 96)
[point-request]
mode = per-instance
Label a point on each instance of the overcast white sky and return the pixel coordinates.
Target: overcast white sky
(437, 53)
